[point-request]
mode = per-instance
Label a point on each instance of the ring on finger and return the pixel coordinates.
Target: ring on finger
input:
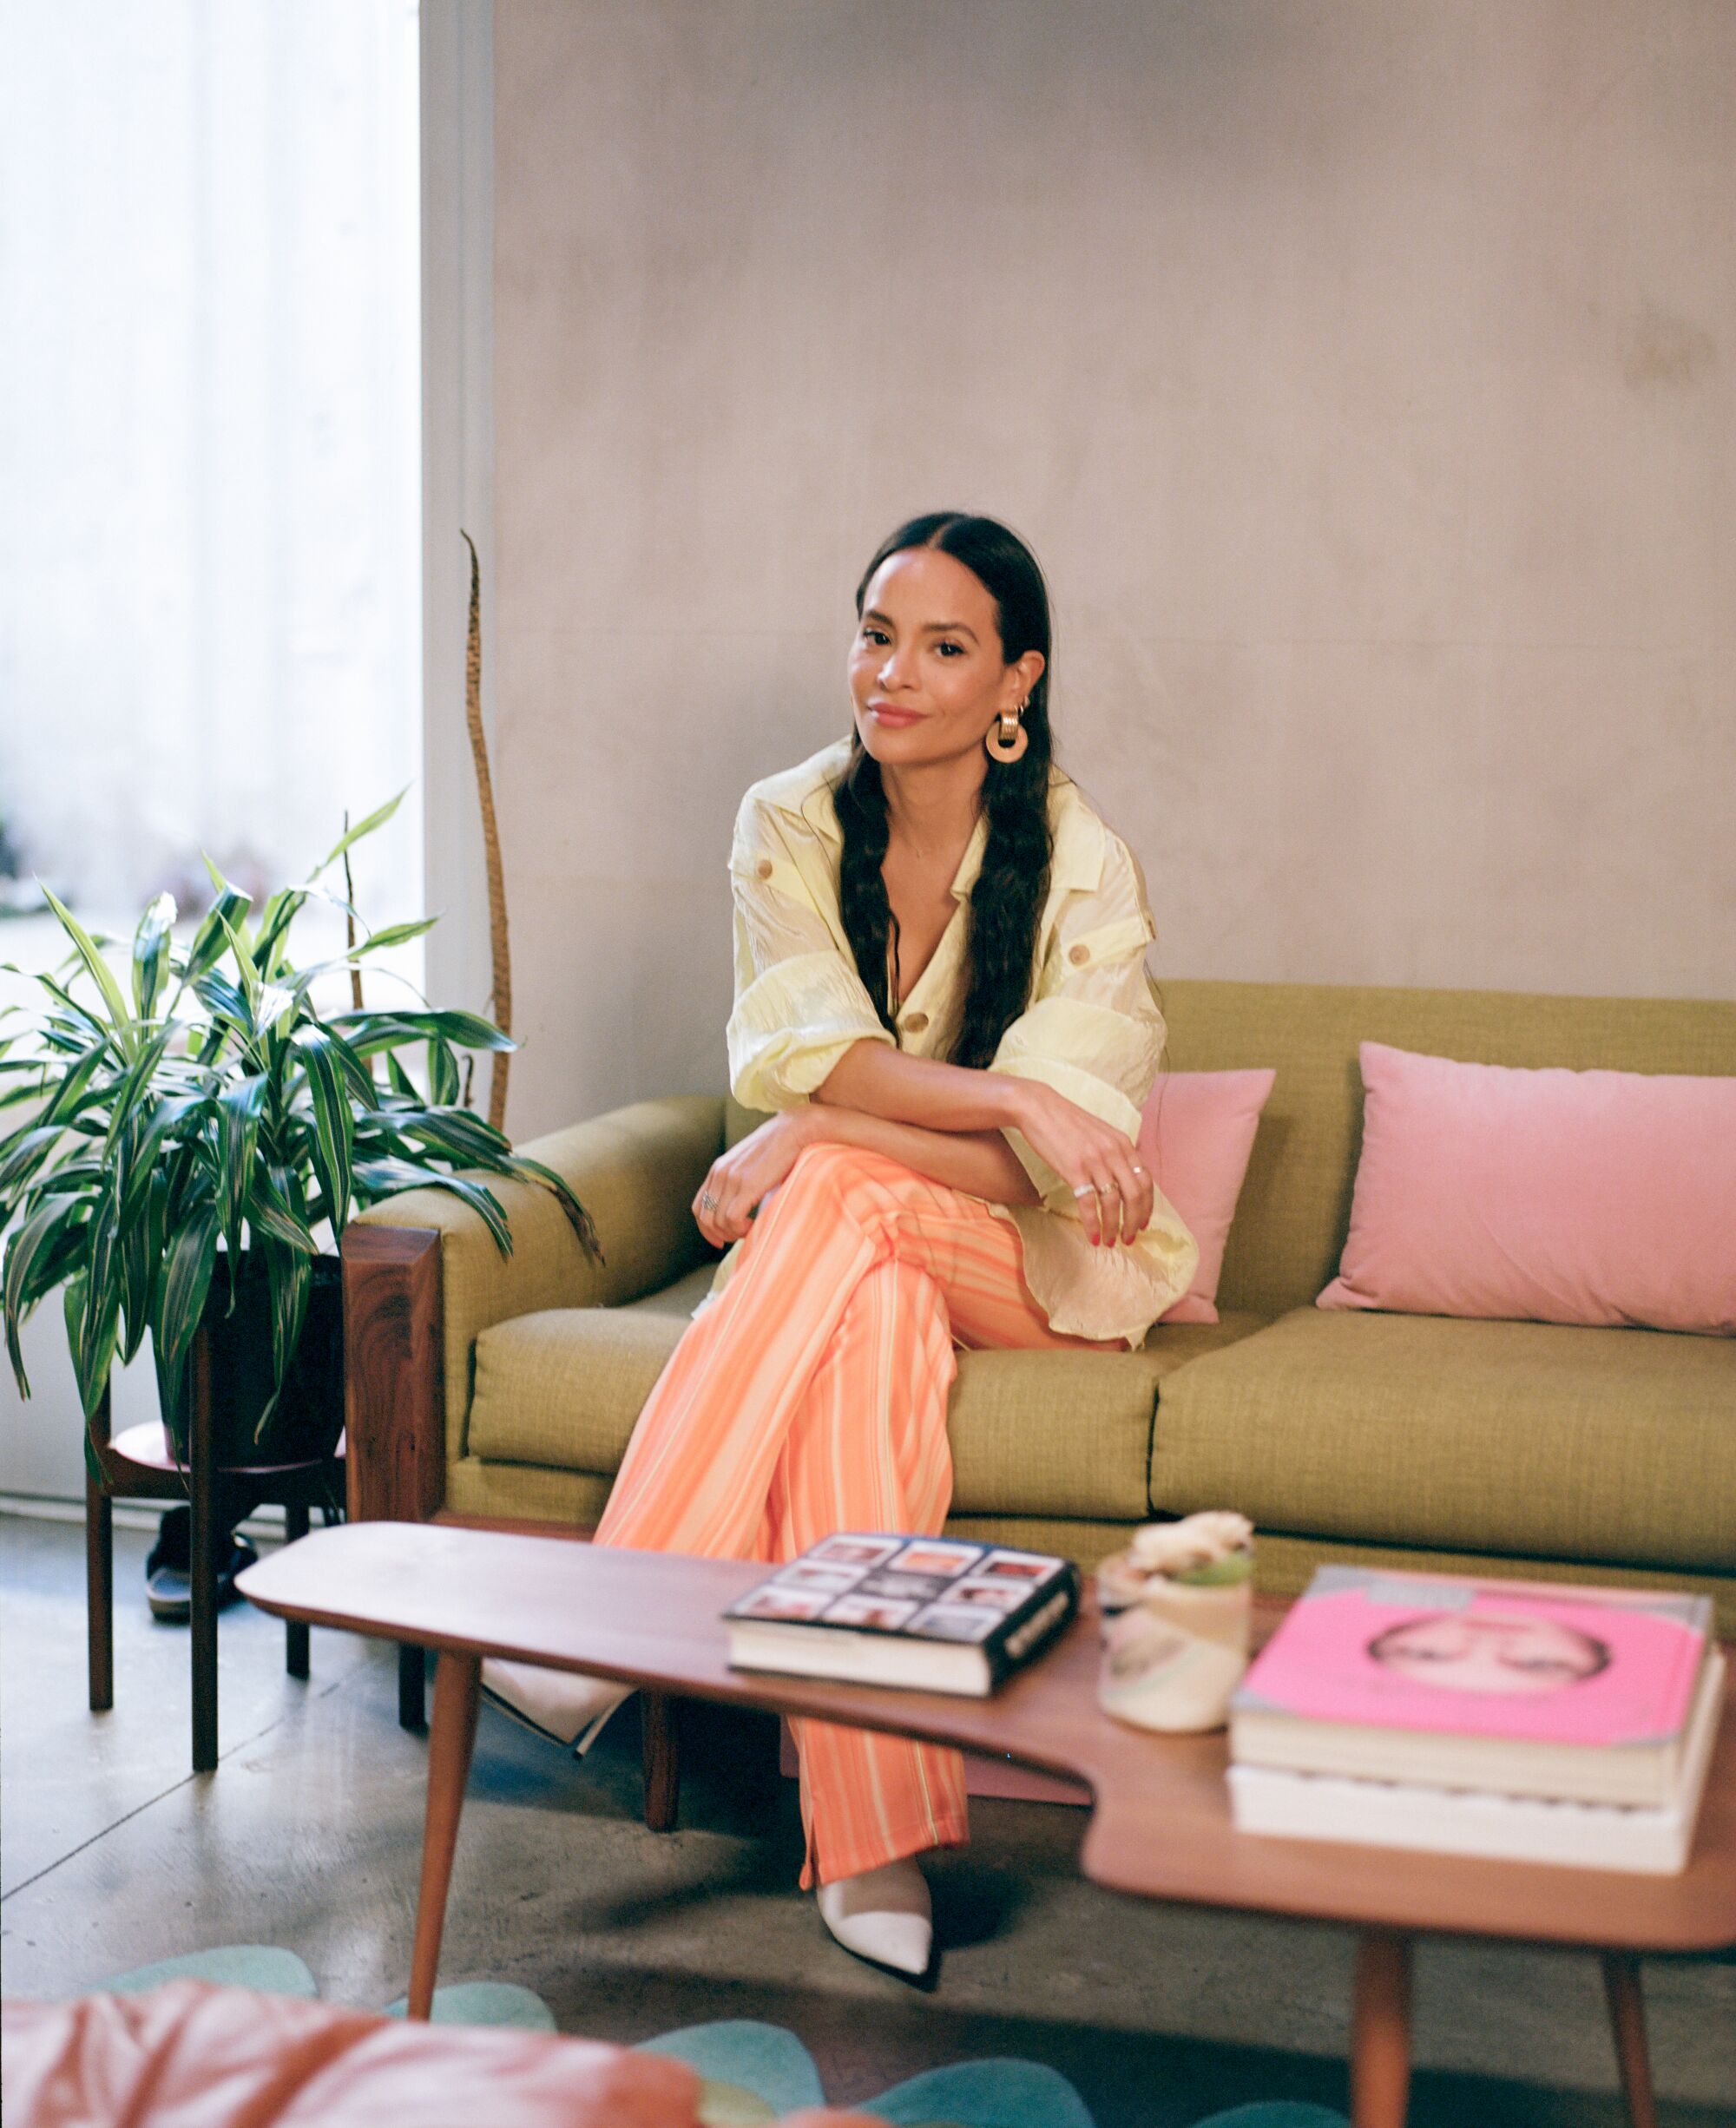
(707, 1202)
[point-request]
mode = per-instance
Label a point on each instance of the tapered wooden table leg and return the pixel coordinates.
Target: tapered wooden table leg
(1628, 2024)
(202, 1576)
(295, 1633)
(99, 1593)
(412, 1676)
(452, 1733)
(659, 1759)
(99, 1563)
(1380, 2031)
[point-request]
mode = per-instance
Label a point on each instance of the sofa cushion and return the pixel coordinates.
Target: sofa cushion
(1295, 1204)
(1067, 1432)
(1606, 1199)
(1032, 1433)
(1196, 1130)
(189, 2052)
(1524, 1437)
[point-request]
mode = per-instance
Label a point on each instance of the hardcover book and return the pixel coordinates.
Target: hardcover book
(1651, 1840)
(929, 1614)
(1526, 1688)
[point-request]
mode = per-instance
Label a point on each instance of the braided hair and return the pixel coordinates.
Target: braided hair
(1007, 900)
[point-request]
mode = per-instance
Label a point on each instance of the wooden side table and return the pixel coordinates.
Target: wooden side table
(140, 1464)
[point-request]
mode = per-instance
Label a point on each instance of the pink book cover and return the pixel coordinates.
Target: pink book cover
(1537, 1662)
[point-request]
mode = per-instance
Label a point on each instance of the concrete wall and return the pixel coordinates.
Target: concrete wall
(1361, 372)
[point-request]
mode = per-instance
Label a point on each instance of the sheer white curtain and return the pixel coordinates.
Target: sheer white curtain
(210, 404)
(210, 552)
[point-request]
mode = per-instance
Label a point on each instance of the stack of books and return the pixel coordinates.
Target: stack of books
(1531, 1721)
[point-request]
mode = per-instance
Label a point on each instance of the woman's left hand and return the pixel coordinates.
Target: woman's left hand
(748, 1173)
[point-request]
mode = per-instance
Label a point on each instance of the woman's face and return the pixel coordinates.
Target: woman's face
(1489, 1651)
(927, 676)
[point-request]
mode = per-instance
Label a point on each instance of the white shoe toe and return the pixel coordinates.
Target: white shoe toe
(883, 1916)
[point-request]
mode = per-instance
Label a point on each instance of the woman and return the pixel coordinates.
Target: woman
(940, 994)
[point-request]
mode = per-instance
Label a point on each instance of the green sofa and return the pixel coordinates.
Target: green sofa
(504, 1391)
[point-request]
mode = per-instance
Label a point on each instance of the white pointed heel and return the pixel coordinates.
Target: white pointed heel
(883, 1916)
(569, 1711)
(618, 1697)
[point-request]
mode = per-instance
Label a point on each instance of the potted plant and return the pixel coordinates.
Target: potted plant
(190, 1140)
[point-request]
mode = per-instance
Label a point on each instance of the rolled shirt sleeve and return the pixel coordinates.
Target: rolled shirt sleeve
(1094, 1032)
(799, 1002)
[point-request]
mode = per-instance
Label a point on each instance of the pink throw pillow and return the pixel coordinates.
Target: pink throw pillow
(1196, 1134)
(1550, 1196)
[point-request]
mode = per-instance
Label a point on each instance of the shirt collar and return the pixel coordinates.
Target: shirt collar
(1081, 839)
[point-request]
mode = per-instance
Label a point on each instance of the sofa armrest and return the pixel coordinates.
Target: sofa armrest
(423, 1280)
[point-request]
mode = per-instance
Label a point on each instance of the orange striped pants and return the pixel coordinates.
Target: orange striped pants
(810, 1397)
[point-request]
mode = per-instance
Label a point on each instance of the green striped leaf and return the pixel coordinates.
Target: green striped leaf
(290, 1274)
(186, 1282)
(240, 946)
(238, 1138)
(353, 835)
(141, 1253)
(394, 935)
(90, 1326)
(456, 1131)
(373, 1031)
(101, 973)
(275, 918)
(387, 1178)
(15, 1097)
(275, 1002)
(444, 1082)
(225, 1002)
(357, 1076)
(93, 1348)
(129, 1090)
(577, 1218)
(32, 1253)
(26, 1151)
(333, 1127)
(166, 1118)
(150, 951)
(213, 935)
(271, 1214)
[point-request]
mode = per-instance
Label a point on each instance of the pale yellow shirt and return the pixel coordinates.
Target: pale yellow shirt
(1092, 1029)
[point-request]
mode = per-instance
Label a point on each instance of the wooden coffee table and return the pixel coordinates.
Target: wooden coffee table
(1161, 1825)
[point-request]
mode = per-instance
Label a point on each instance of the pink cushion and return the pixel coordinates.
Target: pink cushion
(1550, 1196)
(1196, 1135)
(188, 2054)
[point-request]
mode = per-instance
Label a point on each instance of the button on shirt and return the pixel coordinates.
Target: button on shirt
(1092, 1029)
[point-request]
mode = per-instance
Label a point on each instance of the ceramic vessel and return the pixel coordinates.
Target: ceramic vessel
(1176, 1606)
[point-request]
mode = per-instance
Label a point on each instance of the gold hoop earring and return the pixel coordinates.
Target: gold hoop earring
(1008, 744)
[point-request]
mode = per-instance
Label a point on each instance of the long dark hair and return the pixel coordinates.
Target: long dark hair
(1008, 898)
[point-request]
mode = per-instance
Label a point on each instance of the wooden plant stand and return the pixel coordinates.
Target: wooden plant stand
(139, 1464)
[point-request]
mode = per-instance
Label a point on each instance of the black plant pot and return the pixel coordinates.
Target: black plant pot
(309, 1415)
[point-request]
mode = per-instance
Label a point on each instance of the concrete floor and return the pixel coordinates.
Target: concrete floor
(307, 1838)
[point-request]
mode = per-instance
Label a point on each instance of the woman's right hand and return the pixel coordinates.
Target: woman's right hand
(1096, 1161)
(740, 1178)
